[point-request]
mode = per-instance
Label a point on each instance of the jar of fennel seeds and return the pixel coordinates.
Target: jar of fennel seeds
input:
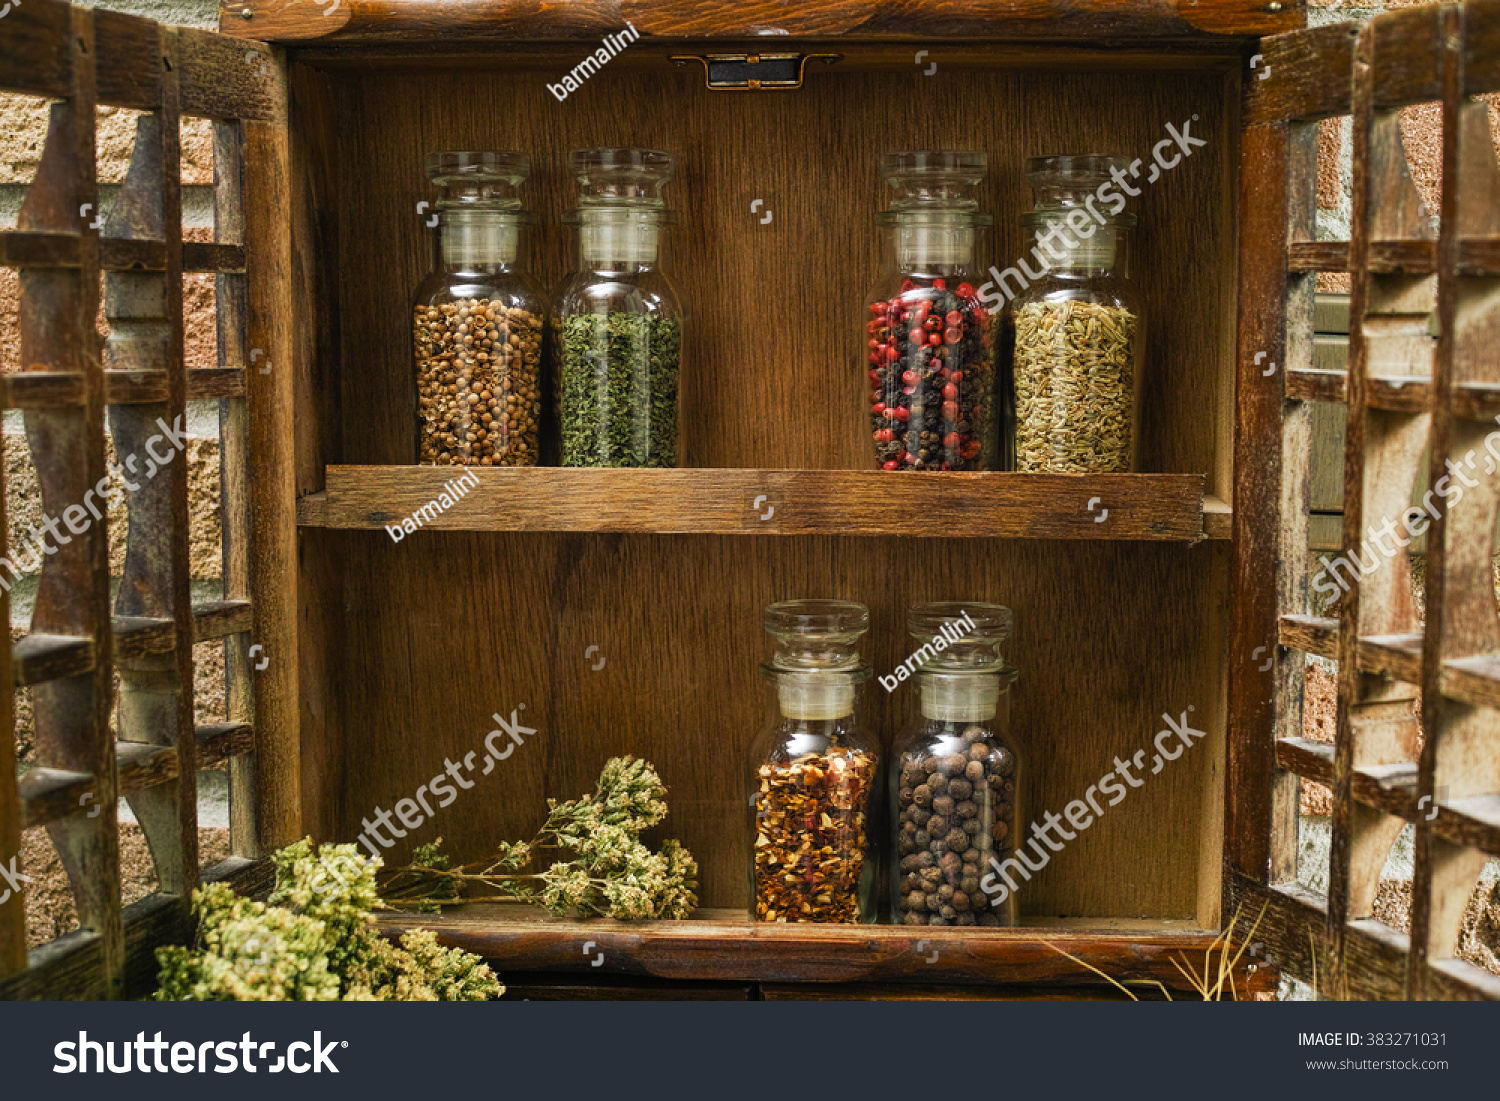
(813, 771)
(1075, 371)
(955, 778)
(930, 346)
(617, 319)
(477, 319)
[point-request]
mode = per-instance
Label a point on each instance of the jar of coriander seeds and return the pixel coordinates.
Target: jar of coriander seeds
(477, 319)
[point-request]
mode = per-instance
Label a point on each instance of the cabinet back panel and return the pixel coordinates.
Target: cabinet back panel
(453, 628)
(773, 371)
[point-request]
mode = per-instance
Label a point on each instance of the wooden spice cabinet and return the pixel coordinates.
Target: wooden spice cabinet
(383, 659)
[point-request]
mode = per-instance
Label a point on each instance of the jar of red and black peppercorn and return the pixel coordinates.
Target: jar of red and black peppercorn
(930, 345)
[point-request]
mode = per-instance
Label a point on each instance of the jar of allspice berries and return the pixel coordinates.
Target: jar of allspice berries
(477, 319)
(955, 776)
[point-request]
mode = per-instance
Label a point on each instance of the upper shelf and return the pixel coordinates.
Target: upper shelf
(1168, 507)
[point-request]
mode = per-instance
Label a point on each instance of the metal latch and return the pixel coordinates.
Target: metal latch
(754, 72)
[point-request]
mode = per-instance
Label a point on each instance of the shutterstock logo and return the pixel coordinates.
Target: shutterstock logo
(145, 1056)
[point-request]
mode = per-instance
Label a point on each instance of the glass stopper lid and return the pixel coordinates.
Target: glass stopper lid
(934, 179)
(471, 180)
(621, 177)
(1066, 181)
(971, 635)
(816, 636)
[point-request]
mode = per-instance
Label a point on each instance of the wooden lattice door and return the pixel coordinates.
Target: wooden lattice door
(1418, 734)
(69, 383)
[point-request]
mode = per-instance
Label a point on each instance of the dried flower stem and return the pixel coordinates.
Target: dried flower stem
(1210, 985)
(611, 874)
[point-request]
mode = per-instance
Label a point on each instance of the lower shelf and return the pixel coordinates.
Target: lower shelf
(726, 945)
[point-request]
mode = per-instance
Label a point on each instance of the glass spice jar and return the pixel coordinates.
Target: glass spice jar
(956, 774)
(1075, 371)
(477, 319)
(813, 771)
(617, 319)
(931, 346)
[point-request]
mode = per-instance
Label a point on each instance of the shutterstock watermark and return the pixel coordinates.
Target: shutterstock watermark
(1086, 220)
(1083, 813)
(78, 518)
(1449, 489)
(145, 1056)
(413, 812)
(13, 879)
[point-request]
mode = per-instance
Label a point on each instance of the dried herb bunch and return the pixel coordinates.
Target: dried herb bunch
(617, 379)
(312, 940)
(611, 873)
(1075, 387)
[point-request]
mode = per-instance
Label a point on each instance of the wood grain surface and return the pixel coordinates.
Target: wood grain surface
(772, 502)
(772, 374)
(210, 70)
(411, 21)
(457, 627)
(1270, 216)
(1295, 934)
(1420, 368)
(721, 946)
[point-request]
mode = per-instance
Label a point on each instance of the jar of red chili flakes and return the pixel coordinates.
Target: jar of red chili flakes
(930, 345)
(813, 771)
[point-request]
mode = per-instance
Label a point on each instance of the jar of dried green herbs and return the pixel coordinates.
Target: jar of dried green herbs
(477, 319)
(616, 321)
(1075, 373)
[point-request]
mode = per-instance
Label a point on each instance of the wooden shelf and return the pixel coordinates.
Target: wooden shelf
(42, 657)
(1398, 655)
(1473, 681)
(1472, 820)
(37, 658)
(52, 794)
(380, 22)
(726, 945)
(777, 502)
(1394, 394)
(1476, 256)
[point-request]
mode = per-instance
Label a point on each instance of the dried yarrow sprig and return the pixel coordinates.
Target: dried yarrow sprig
(611, 873)
(312, 940)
